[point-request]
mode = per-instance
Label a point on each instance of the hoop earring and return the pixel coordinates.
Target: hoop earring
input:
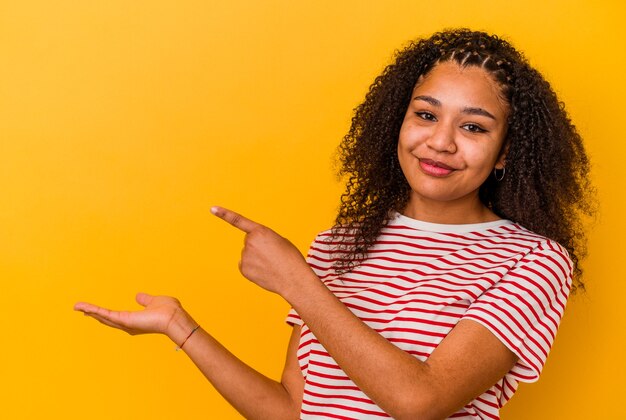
(498, 174)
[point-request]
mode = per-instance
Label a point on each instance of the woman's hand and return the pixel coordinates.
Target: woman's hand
(161, 314)
(267, 259)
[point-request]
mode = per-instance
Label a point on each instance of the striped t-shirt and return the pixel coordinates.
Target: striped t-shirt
(418, 281)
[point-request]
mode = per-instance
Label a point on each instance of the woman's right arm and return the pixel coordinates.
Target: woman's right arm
(254, 395)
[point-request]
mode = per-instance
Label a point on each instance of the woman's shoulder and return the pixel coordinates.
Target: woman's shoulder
(495, 236)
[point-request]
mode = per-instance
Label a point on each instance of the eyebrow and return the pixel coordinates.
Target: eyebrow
(466, 110)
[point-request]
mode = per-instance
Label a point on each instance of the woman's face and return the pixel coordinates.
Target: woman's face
(451, 138)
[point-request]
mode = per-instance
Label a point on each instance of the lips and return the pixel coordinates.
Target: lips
(435, 168)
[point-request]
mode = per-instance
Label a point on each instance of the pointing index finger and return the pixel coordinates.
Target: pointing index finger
(235, 219)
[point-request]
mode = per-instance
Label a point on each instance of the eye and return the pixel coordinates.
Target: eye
(474, 128)
(426, 116)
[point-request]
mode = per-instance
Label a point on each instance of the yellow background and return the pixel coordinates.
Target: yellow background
(122, 122)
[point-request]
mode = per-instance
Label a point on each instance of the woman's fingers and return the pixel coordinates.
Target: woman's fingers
(83, 307)
(107, 322)
(91, 309)
(118, 318)
(235, 219)
(144, 299)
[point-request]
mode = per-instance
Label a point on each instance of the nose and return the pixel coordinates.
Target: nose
(442, 138)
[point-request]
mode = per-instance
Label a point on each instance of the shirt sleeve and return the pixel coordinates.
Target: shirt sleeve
(525, 307)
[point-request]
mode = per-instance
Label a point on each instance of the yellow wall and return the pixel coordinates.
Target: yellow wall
(122, 122)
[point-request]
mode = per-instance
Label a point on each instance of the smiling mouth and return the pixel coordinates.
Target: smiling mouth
(434, 168)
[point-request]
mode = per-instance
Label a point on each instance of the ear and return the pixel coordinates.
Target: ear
(501, 161)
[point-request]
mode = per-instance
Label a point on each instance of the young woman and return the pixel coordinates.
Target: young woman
(456, 245)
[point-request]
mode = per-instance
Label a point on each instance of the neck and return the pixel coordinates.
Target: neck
(449, 212)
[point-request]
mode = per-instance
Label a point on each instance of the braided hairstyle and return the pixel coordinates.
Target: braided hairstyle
(546, 188)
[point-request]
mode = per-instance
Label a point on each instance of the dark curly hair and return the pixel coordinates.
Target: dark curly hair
(546, 188)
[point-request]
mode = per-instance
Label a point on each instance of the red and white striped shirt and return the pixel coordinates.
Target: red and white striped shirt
(418, 281)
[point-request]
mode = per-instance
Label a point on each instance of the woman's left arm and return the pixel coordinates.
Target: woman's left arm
(464, 365)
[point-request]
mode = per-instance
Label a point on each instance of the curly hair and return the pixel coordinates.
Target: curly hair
(546, 188)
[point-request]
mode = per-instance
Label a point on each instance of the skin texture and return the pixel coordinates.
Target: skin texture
(456, 119)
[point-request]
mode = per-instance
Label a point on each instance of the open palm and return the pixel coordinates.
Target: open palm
(156, 316)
